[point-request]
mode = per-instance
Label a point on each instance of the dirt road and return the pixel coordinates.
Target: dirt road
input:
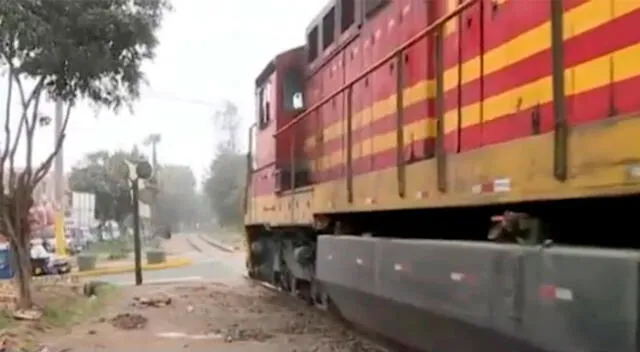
(227, 316)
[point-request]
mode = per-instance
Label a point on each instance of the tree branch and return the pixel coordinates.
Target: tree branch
(31, 129)
(7, 227)
(44, 168)
(7, 129)
(25, 102)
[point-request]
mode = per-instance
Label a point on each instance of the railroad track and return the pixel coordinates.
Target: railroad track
(377, 343)
(193, 245)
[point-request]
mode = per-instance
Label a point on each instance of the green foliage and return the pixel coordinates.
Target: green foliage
(98, 174)
(177, 201)
(66, 310)
(225, 187)
(227, 174)
(120, 245)
(89, 49)
(6, 319)
(92, 48)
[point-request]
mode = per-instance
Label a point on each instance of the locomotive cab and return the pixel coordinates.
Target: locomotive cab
(279, 98)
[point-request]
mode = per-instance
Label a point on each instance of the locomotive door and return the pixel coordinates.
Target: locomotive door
(469, 119)
(508, 291)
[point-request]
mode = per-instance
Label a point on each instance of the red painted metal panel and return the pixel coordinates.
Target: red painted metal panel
(506, 125)
(358, 103)
(417, 68)
(263, 181)
(414, 15)
(314, 123)
(610, 37)
(470, 47)
(266, 154)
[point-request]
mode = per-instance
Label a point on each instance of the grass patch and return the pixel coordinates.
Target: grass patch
(63, 305)
(6, 320)
(65, 311)
(115, 249)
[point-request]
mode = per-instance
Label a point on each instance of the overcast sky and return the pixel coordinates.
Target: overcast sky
(209, 50)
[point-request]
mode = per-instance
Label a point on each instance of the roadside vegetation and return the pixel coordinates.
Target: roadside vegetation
(225, 183)
(63, 304)
(117, 249)
(72, 52)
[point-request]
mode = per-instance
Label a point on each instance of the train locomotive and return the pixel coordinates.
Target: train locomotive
(456, 175)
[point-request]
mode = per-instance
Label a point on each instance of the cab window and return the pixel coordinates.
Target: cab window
(264, 106)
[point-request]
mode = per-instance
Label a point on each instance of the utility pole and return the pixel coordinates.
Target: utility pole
(136, 231)
(154, 155)
(141, 170)
(153, 140)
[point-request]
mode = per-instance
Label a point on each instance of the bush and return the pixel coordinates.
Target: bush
(86, 262)
(118, 255)
(156, 257)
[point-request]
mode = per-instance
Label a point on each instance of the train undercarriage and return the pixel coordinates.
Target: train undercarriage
(440, 280)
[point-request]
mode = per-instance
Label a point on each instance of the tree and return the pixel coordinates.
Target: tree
(225, 187)
(177, 201)
(98, 174)
(70, 50)
(228, 121)
(226, 180)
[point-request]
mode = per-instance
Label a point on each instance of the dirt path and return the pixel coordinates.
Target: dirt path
(213, 316)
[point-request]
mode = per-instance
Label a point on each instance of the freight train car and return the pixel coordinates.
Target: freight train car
(456, 176)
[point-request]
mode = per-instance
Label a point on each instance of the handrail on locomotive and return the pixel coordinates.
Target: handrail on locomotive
(436, 27)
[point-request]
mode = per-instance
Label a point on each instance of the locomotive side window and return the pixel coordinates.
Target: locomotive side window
(312, 45)
(264, 107)
(347, 14)
(328, 28)
(293, 87)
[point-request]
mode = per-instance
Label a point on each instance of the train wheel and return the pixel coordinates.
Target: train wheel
(294, 286)
(283, 281)
(319, 296)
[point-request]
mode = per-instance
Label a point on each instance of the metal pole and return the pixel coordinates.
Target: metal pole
(154, 201)
(136, 232)
(154, 155)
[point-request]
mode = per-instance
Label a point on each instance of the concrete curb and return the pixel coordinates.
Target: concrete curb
(129, 268)
(216, 244)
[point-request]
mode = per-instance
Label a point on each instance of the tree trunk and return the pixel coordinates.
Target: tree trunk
(23, 270)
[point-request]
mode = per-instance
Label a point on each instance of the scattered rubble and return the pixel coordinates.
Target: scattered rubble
(27, 314)
(157, 301)
(90, 288)
(237, 333)
(129, 321)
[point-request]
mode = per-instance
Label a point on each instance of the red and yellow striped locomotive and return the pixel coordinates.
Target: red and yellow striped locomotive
(419, 120)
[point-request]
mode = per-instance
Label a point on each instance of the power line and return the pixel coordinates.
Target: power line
(193, 101)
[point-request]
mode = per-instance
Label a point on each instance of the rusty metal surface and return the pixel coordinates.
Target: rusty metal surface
(444, 296)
